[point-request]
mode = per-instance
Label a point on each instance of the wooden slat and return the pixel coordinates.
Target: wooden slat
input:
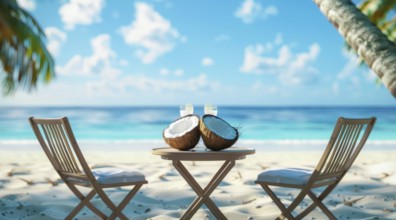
(62, 146)
(322, 166)
(62, 155)
(334, 152)
(346, 141)
(69, 150)
(352, 146)
(65, 145)
(54, 151)
(342, 148)
(59, 146)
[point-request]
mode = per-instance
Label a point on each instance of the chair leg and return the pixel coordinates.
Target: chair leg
(126, 200)
(319, 203)
(116, 210)
(285, 211)
(299, 198)
(105, 198)
(321, 197)
(84, 201)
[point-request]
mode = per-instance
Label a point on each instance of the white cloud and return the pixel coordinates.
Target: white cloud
(133, 89)
(350, 67)
(166, 72)
(29, 5)
(303, 58)
(349, 74)
(290, 68)
(254, 62)
(98, 63)
(251, 10)
(207, 61)
(143, 83)
(55, 38)
(152, 33)
(80, 12)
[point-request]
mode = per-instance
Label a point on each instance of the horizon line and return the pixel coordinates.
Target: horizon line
(200, 105)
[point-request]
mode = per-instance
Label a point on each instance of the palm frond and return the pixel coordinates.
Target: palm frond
(25, 59)
(389, 28)
(377, 10)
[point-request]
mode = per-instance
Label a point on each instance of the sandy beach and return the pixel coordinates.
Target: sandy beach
(31, 189)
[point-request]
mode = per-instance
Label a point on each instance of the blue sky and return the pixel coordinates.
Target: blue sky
(163, 52)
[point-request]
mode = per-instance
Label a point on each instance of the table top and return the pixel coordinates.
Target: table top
(203, 154)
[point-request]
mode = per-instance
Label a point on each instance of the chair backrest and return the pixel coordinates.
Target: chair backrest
(347, 140)
(59, 144)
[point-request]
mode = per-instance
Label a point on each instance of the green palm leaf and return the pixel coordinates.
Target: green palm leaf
(24, 59)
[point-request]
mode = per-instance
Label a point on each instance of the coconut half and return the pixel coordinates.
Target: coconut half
(183, 134)
(216, 133)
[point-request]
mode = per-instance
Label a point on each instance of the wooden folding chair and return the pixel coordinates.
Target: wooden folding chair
(59, 144)
(347, 140)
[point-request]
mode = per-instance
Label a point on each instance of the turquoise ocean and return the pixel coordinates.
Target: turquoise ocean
(256, 124)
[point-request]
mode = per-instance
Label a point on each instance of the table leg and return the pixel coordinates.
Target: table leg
(203, 194)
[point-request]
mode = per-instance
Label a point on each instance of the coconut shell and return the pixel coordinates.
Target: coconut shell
(185, 142)
(212, 140)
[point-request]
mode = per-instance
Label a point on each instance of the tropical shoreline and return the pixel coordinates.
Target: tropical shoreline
(366, 192)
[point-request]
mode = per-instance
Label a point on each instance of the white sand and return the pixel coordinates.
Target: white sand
(26, 192)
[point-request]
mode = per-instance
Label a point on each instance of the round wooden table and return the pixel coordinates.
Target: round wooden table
(228, 155)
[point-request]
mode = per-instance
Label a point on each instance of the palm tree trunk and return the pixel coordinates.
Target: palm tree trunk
(365, 38)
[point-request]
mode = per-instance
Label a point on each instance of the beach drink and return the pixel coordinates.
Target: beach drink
(187, 109)
(210, 109)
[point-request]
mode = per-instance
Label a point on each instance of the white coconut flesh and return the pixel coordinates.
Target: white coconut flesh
(220, 127)
(181, 127)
